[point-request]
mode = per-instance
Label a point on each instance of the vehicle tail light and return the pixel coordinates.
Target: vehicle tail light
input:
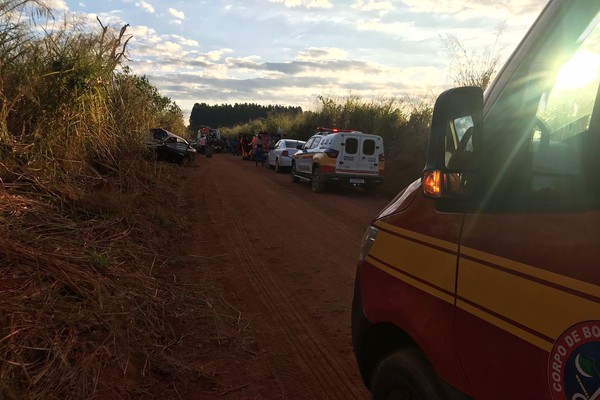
(332, 153)
(381, 157)
(285, 153)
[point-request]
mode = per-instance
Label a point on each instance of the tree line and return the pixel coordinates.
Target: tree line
(236, 114)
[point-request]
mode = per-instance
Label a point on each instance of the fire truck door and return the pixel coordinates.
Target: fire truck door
(528, 279)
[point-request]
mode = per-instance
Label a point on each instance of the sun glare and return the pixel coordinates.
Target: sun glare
(579, 71)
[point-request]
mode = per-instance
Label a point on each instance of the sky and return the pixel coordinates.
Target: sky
(290, 52)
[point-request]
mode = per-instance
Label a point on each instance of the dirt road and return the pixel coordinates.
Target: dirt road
(285, 258)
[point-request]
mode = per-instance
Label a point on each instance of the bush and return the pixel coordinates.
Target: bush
(72, 176)
(66, 114)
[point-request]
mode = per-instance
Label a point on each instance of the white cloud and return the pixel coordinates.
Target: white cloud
(58, 5)
(475, 8)
(185, 41)
(304, 3)
(322, 53)
(216, 55)
(368, 48)
(145, 35)
(145, 6)
(254, 60)
(165, 47)
(404, 30)
(177, 14)
(374, 5)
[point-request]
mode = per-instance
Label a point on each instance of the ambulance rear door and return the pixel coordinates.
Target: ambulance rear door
(371, 147)
(360, 153)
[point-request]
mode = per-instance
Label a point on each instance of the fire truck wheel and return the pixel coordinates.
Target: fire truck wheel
(318, 186)
(405, 375)
(294, 177)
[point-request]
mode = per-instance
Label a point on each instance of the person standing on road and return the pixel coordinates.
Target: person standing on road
(258, 155)
(208, 148)
(234, 146)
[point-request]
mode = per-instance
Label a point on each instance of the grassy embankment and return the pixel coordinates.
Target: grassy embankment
(83, 216)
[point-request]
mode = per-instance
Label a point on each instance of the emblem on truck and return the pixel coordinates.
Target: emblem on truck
(574, 365)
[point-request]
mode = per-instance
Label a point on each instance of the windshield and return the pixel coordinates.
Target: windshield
(540, 133)
(291, 144)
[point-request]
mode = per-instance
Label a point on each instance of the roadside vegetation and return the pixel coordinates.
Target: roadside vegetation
(87, 297)
(84, 216)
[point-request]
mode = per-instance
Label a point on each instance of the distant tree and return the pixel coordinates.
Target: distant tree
(227, 115)
(472, 68)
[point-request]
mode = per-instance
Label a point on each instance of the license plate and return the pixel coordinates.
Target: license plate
(357, 181)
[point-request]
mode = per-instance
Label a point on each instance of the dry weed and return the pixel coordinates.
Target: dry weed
(85, 293)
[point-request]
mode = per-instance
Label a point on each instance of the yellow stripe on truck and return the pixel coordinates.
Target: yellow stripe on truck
(531, 304)
(418, 236)
(411, 281)
(551, 277)
(506, 326)
(433, 266)
(528, 302)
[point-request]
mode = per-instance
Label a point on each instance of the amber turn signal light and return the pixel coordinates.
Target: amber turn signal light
(431, 182)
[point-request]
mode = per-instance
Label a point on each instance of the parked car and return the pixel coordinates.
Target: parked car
(280, 155)
(169, 147)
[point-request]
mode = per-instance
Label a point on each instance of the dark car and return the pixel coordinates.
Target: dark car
(170, 147)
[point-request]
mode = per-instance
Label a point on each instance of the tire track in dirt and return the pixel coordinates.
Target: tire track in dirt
(336, 381)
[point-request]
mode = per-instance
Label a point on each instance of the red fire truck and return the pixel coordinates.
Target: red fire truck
(481, 280)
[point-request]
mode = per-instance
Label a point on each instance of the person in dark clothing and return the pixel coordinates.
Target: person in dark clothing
(259, 156)
(209, 148)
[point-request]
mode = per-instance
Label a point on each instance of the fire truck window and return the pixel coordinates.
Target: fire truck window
(459, 142)
(563, 119)
(369, 147)
(351, 146)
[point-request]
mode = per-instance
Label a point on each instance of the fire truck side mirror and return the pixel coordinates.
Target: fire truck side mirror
(457, 122)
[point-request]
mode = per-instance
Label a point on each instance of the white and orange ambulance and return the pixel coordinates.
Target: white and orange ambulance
(481, 280)
(340, 156)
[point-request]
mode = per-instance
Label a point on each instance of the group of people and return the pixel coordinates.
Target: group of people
(250, 147)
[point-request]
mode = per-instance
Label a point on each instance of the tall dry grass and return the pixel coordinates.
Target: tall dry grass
(81, 247)
(65, 109)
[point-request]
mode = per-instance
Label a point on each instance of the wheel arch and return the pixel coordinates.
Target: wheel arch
(315, 163)
(382, 339)
(378, 341)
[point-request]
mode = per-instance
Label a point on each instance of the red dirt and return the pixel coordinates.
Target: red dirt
(282, 259)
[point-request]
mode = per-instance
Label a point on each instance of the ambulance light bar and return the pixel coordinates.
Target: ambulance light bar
(333, 130)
